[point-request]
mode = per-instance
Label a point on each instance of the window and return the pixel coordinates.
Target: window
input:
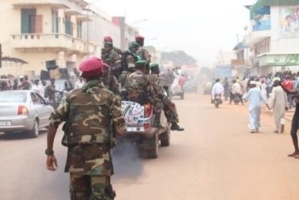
(68, 26)
(55, 21)
(79, 29)
(30, 22)
(13, 97)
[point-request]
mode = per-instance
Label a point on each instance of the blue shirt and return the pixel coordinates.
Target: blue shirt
(255, 97)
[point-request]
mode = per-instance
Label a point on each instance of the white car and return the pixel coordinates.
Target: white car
(23, 111)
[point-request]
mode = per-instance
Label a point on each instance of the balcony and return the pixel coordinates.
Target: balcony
(53, 3)
(255, 37)
(51, 42)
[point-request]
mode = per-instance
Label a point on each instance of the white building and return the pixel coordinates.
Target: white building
(53, 32)
(273, 37)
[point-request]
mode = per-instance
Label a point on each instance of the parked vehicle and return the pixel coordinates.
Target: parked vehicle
(207, 88)
(140, 130)
(190, 86)
(23, 111)
(177, 91)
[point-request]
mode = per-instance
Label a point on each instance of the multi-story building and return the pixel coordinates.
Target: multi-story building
(273, 36)
(44, 32)
(52, 32)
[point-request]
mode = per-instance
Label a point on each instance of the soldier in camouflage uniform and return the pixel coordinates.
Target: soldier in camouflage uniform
(142, 52)
(112, 58)
(90, 112)
(109, 81)
(129, 58)
(140, 90)
(168, 106)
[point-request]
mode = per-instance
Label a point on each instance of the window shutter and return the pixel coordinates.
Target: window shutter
(38, 24)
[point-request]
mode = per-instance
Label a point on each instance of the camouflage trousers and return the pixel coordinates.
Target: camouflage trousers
(170, 110)
(90, 187)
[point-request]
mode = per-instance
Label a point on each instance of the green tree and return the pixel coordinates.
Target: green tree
(178, 58)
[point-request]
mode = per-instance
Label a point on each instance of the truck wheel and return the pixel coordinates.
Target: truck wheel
(165, 138)
(182, 96)
(153, 153)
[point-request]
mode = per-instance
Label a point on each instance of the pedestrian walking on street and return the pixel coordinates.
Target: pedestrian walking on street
(295, 122)
(279, 105)
(254, 95)
(288, 84)
(90, 114)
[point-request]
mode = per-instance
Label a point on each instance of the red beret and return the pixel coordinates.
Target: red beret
(139, 38)
(91, 67)
(108, 39)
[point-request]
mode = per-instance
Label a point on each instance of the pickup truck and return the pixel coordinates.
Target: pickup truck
(140, 130)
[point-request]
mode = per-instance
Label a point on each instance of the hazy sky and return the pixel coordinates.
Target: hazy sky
(200, 30)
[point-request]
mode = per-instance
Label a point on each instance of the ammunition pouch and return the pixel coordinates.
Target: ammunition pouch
(109, 191)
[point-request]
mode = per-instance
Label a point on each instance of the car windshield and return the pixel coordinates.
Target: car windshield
(14, 97)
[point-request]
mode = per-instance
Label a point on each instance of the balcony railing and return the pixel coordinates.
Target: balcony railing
(52, 41)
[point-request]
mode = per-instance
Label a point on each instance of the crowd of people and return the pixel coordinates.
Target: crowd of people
(278, 91)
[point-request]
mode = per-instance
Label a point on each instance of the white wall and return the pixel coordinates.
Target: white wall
(98, 28)
(279, 44)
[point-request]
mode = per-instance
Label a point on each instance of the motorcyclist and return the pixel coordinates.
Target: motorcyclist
(236, 92)
(217, 89)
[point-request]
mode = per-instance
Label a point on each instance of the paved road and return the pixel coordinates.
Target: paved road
(216, 158)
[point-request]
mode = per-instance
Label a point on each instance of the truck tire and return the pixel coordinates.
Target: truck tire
(165, 138)
(154, 152)
(182, 96)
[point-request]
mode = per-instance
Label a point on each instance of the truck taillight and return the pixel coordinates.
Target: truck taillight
(22, 110)
(147, 114)
(147, 110)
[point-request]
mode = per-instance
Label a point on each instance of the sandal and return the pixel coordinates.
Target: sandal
(294, 154)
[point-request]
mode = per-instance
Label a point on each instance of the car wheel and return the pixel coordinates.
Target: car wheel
(35, 129)
(153, 153)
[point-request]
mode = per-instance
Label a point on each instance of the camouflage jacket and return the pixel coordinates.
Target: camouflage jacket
(138, 87)
(111, 83)
(123, 78)
(144, 54)
(89, 111)
(155, 81)
(112, 58)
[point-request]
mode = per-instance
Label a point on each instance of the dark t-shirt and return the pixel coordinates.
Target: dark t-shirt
(296, 114)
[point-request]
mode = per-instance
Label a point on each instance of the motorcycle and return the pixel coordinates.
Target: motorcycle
(217, 100)
(237, 99)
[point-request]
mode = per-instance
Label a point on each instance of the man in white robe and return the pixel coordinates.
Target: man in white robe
(254, 95)
(279, 104)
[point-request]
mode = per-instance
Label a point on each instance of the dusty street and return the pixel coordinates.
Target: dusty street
(216, 158)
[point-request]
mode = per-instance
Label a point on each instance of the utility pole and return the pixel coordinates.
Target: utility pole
(0, 55)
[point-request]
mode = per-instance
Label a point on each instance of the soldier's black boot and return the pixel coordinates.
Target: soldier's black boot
(157, 123)
(176, 127)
